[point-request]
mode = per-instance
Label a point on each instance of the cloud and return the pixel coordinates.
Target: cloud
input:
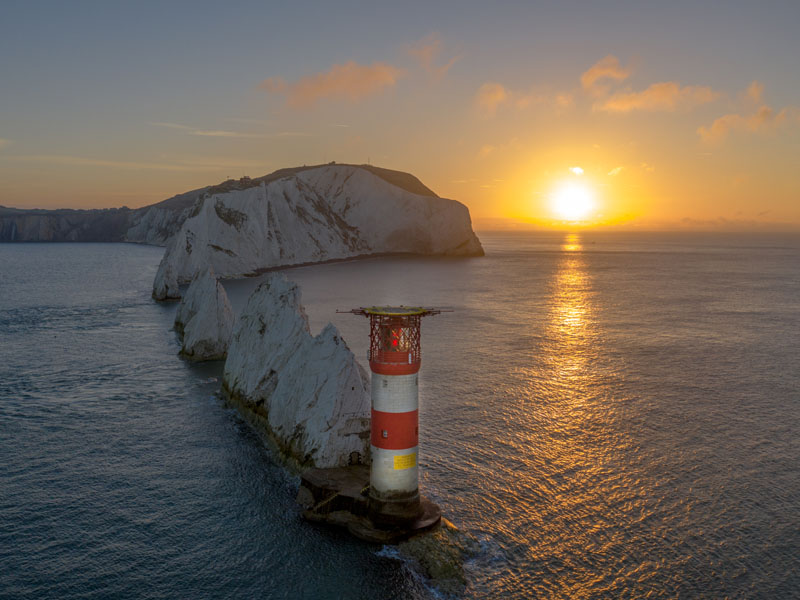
(426, 51)
(763, 120)
(754, 92)
(576, 170)
(206, 132)
(486, 150)
(350, 81)
(249, 121)
(615, 171)
(564, 101)
(80, 161)
(216, 162)
(754, 116)
(490, 96)
(4, 143)
(605, 68)
(664, 96)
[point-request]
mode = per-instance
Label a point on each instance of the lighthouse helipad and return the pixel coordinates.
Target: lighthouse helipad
(388, 507)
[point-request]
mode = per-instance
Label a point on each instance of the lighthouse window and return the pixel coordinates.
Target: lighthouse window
(384, 433)
(395, 339)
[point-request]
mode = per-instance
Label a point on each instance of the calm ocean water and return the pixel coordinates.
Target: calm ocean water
(610, 415)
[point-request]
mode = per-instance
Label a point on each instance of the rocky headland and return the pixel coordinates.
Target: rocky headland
(331, 212)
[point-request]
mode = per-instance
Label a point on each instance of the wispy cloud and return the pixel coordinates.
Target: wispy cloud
(292, 134)
(576, 171)
(492, 95)
(606, 68)
(426, 51)
(248, 121)
(350, 81)
(664, 96)
(81, 161)
(215, 162)
(754, 92)
(207, 132)
(225, 134)
(754, 116)
(763, 120)
(615, 171)
(4, 143)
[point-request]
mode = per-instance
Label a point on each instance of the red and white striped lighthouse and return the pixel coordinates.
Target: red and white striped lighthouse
(394, 359)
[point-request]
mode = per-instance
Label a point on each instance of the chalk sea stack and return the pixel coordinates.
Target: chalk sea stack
(307, 393)
(205, 319)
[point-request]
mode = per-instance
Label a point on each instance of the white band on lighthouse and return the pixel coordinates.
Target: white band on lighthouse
(395, 403)
(385, 478)
(395, 393)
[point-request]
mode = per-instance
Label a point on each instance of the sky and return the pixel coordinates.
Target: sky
(678, 115)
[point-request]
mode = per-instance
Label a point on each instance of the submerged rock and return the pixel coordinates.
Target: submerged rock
(309, 394)
(313, 215)
(442, 553)
(204, 319)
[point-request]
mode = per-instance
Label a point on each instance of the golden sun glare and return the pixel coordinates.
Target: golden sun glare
(572, 201)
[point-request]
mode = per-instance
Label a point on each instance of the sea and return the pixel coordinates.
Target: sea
(607, 415)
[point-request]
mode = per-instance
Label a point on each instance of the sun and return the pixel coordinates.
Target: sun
(572, 201)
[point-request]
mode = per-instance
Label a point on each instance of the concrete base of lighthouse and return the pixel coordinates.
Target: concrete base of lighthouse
(340, 496)
(394, 510)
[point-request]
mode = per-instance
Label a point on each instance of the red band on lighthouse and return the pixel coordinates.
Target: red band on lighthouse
(401, 429)
(393, 368)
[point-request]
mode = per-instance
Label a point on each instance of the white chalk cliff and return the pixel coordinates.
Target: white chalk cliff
(308, 393)
(205, 319)
(313, 215)
(165, 286)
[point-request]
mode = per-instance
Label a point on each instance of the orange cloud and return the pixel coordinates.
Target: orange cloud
(426, 51)
(606, 68)
(664, 96)
(763, 120)
(755, 91)
(350, 81)
(4, 143)
(490, 96)
(206, 132)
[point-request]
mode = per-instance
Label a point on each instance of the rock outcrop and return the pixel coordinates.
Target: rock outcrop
(166, 283)
(314, 215)
(205, 319)
(442, 553)
(308, 394)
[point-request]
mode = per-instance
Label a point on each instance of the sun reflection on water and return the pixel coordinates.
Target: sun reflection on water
(571, 433)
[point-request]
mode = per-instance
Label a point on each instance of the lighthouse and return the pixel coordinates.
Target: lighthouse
(394, 359)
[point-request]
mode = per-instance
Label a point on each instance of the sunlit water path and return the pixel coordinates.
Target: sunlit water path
(610, 415)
